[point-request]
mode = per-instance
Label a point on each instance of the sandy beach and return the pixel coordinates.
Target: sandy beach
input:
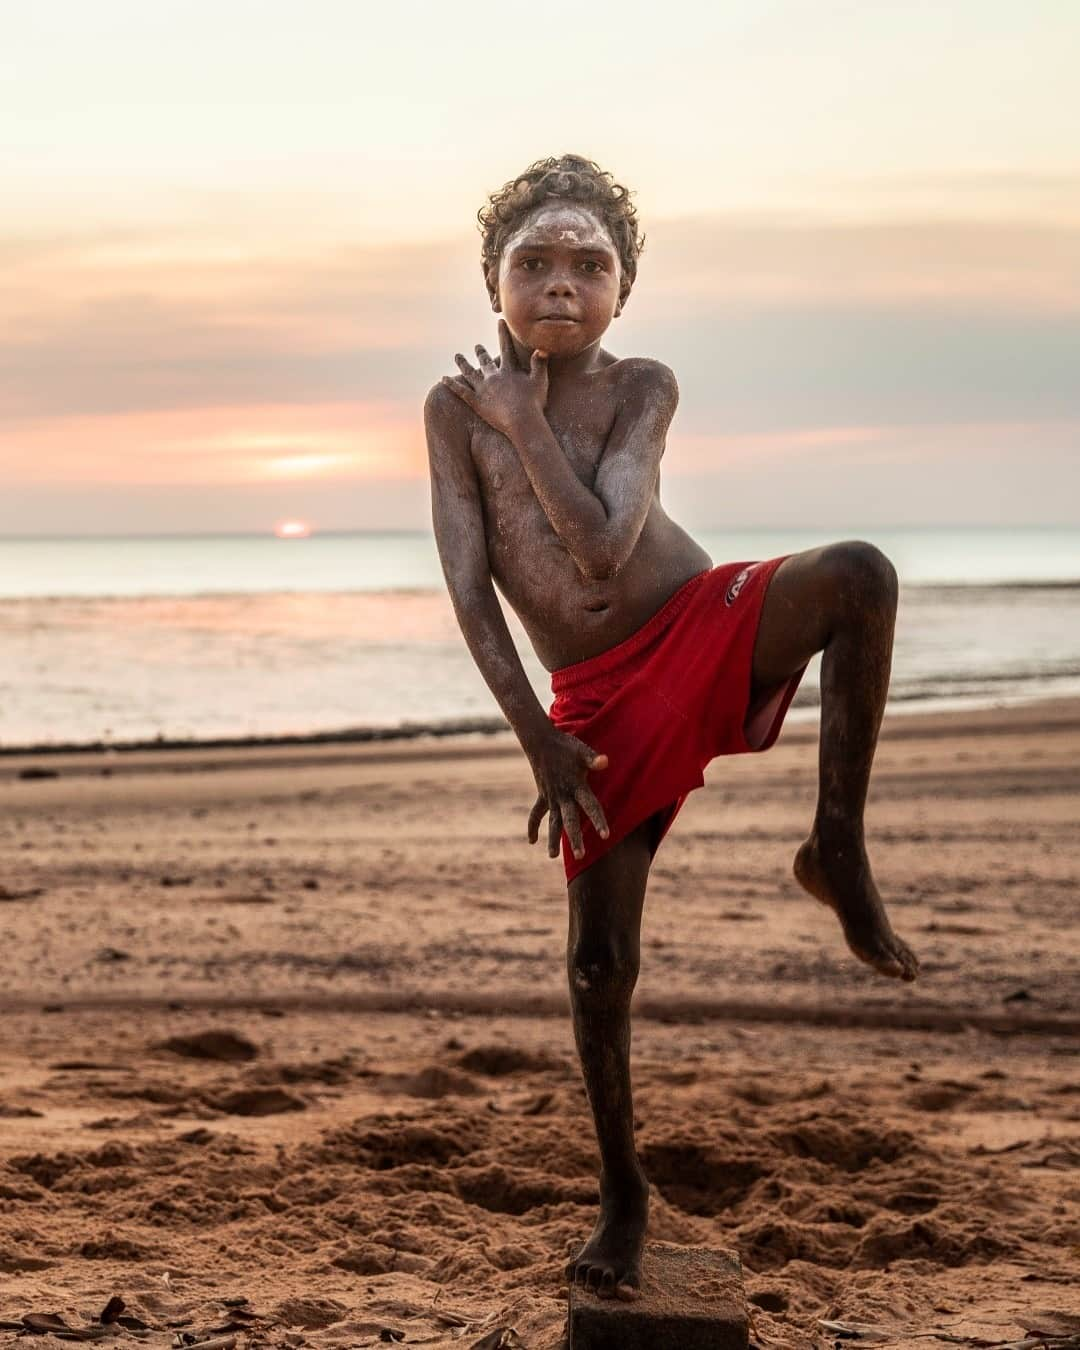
(287, 1047)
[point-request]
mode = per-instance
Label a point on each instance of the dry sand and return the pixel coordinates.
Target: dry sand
(406, 1145)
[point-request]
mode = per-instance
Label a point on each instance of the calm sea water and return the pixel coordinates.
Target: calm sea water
(132, 639)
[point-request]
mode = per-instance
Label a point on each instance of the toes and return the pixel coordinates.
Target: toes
(906, 959)
(876, 955)
(889, 965)
(600, 1280)
(576, 1272)
(627, 1290)
(890, 957)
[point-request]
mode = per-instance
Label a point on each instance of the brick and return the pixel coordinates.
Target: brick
(692, 1298)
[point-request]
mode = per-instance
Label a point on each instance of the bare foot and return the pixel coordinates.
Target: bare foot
(610, 1262)
(840, 877)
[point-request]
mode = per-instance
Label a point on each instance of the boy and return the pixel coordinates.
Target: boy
(545, 480)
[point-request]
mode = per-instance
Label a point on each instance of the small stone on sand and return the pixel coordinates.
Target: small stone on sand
(216, 1043)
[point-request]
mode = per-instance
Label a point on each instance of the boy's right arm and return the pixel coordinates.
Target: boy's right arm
(458, 521)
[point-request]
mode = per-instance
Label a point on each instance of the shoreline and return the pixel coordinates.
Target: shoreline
(964, 586)
(475, 728)
(405, 731)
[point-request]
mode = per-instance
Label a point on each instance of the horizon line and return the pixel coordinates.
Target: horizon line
(269, 534)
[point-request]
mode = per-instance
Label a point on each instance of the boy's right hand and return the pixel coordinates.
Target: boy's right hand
(559, 764)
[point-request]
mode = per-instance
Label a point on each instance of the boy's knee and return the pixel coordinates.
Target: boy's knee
(601, 966)
(863, 573)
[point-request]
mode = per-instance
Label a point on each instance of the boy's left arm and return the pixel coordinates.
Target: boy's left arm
(601, 525)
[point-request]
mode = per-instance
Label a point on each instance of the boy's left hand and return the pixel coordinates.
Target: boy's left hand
(503, 393)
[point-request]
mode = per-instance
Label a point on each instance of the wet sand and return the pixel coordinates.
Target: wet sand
(388, 1131)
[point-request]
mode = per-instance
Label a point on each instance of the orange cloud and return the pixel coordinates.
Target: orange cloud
(220, 445)
(314, 299)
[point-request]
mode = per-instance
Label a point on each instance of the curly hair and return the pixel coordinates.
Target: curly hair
(569, 178)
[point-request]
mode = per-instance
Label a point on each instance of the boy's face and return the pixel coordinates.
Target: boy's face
(559, 282)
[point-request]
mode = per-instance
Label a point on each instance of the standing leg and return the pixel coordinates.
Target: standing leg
(841, 600)
(602, 960)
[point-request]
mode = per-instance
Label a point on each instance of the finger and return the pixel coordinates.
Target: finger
(471, 377)
(572, 826)
(538, 365)
(457, 385)
(592, 808)
(536, 815)
(487, 365)
(554, 832)
(506, 346)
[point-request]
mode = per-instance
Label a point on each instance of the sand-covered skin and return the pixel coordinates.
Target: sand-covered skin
(398, 1137)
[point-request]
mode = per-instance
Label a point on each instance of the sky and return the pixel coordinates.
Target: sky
(238, 245)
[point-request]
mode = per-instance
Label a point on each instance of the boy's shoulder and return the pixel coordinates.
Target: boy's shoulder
(442, 403)
(643, 386)
(448, 420)
(646, 370)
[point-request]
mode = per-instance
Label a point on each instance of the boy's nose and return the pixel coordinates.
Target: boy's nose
(560, 285)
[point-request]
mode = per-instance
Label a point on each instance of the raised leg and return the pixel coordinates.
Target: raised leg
(839, 600)
(602, 959)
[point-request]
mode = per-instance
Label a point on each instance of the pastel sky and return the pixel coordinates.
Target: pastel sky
(238, 244)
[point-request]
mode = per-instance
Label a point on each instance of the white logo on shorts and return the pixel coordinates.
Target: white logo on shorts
(737, 584)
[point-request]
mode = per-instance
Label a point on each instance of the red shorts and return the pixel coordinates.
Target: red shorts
(667, 700)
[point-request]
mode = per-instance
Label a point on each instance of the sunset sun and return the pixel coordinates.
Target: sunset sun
(292, 529)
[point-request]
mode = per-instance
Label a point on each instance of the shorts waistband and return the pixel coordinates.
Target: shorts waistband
(603, 663)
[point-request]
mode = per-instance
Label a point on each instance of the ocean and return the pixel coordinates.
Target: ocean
(121, 640)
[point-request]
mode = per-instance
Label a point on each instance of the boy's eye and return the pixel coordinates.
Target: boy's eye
(591, 265)
(531, 264)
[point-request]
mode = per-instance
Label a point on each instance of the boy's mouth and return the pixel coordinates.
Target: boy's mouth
(556, 318)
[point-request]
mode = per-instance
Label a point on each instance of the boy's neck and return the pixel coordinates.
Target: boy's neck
(560, 366)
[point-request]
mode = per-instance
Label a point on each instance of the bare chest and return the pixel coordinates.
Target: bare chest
(503, 481)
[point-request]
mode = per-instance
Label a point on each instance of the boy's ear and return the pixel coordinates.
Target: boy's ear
(491, 281)
(624, 295)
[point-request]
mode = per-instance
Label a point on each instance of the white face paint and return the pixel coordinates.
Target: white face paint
(563, 223)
